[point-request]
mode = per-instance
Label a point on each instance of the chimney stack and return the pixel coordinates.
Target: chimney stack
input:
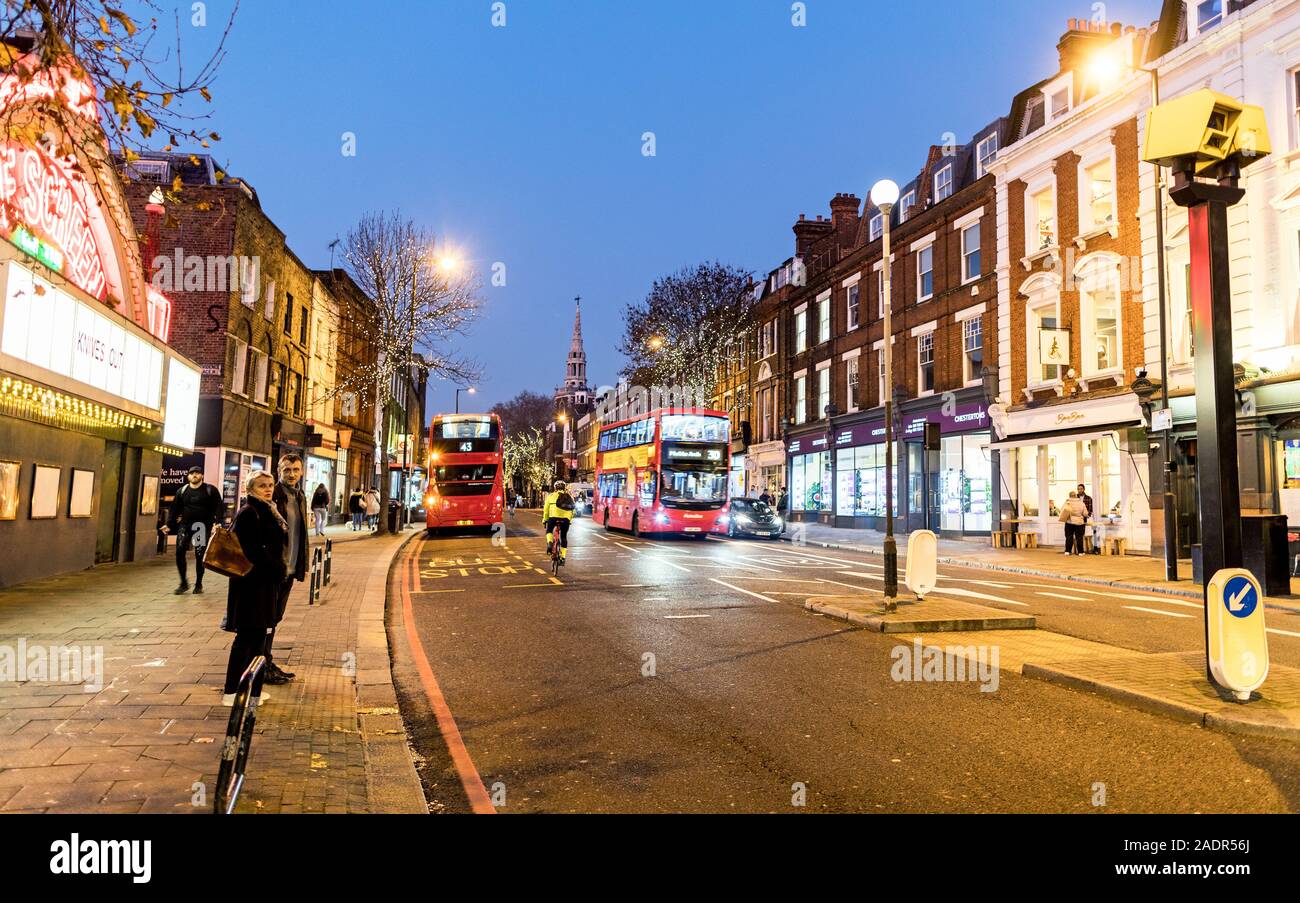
(844, 215)
(1082, 39)
(808, 232)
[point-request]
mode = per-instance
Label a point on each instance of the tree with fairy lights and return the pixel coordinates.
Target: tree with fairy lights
(419, 304)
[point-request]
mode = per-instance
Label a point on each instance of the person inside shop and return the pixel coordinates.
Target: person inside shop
(357, 507)
(1087, 503)
(291, 504)
(320, 507)
(252, 601)
(195, 508)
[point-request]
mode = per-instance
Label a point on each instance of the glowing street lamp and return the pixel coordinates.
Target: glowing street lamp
(468, 389)
(884, 194)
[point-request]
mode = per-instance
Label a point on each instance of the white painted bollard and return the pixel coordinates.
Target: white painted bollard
(922, 562)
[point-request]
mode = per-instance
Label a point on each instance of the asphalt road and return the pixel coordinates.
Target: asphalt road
(686, 676)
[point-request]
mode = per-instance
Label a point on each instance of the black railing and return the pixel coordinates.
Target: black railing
(239, 737)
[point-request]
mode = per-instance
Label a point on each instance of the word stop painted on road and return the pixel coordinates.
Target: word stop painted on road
(1238, 643)
(922, 562)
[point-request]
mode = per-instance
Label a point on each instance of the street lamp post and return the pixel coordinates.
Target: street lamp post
(468, 390)
(884, 194)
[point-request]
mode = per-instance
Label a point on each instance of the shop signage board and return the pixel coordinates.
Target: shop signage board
(48, 327)
(961, 419)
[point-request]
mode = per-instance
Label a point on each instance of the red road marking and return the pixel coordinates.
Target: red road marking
(479, 801)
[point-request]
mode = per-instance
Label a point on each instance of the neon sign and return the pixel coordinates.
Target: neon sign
(42, 208)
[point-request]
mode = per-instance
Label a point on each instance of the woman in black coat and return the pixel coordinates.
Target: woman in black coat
(252, 605)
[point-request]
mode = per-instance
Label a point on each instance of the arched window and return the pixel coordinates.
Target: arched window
(1100, 302)
(1042, 312)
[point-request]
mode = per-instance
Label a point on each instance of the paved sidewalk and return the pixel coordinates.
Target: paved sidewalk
(1139, 572)
(149, 740)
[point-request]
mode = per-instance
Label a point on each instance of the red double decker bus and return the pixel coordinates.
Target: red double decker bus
(665, 472)
(465, 480)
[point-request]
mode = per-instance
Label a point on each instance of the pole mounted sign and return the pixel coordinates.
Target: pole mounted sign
(1238, 642)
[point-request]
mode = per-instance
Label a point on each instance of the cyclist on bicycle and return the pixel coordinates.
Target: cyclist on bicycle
(557, 511)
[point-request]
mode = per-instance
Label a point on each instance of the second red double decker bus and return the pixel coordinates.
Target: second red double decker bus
(665, 472)
(465, 479)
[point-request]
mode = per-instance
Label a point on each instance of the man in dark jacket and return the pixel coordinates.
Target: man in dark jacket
(292, 504)
(195, 508)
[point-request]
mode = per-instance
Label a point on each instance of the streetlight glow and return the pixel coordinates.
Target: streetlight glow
(884, 193)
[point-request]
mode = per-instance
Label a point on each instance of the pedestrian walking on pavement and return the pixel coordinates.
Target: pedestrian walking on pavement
(782, 501)
(291, 504)
(372, 508)
(194, 509)
(1073, 515)
(1087, 503)
(252, 602)
(320, 507)
(357, 507)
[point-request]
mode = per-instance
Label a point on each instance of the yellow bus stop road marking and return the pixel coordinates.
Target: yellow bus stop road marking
(554, 582)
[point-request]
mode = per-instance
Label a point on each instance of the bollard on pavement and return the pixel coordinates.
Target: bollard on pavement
(314, 592)
(329, 555)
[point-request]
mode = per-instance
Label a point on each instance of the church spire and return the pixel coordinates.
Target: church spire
(575, 390)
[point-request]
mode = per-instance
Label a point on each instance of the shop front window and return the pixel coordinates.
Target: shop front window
(810, 482)
(1063, 475)
(1027, 478)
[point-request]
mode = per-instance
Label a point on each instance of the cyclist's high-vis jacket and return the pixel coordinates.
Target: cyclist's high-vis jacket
(551, 510)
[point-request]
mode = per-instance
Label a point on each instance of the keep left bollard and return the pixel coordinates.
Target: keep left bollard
(329, 556)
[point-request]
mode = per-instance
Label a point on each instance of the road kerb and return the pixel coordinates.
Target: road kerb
(931, 616)
(1174, 685)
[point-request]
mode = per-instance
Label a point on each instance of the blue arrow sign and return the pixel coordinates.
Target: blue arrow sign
(1240, 597)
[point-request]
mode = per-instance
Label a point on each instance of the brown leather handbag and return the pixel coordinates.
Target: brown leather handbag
(225, 555)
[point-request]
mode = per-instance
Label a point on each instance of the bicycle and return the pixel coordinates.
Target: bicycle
(557, 561)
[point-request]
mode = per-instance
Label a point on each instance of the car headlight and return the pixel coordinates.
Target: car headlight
(778, 523)
(743, 519)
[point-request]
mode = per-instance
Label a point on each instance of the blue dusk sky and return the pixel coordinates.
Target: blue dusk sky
(523, 144)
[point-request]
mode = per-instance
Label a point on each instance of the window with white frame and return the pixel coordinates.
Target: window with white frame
(986, 151)
(249, 280)
(972, 348)
(801, 331)
(1046, 316)
(880, 376)
(943, 183)
(1209, 13)
(852, 306)
(880, 293)
(905, 205)
(925, 362)
(1295, 106)
(800, 399)
(1042, 219)
(259, 364)
(925, 273)
(823, 391)
(1098, 192)
(1057, 95)
(875, 226)
(767, 339)
(851, 373)
(824, 319)
(1099, 298)
(240, 357)
(970, 252)
(268, 311)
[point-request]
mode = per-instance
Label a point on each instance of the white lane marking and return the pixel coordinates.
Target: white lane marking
(684, 617)
(745, 591)
(1196, 605)
(740, 562)
(818, 557)
(769, 579)
(615, 573)
(972, 594)
(1064, 596)
(628, 547)
(632, 585)
(1156, 611)
(670, 564)
(1282, 632)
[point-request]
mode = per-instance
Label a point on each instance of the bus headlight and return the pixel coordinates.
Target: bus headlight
(661, 518)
